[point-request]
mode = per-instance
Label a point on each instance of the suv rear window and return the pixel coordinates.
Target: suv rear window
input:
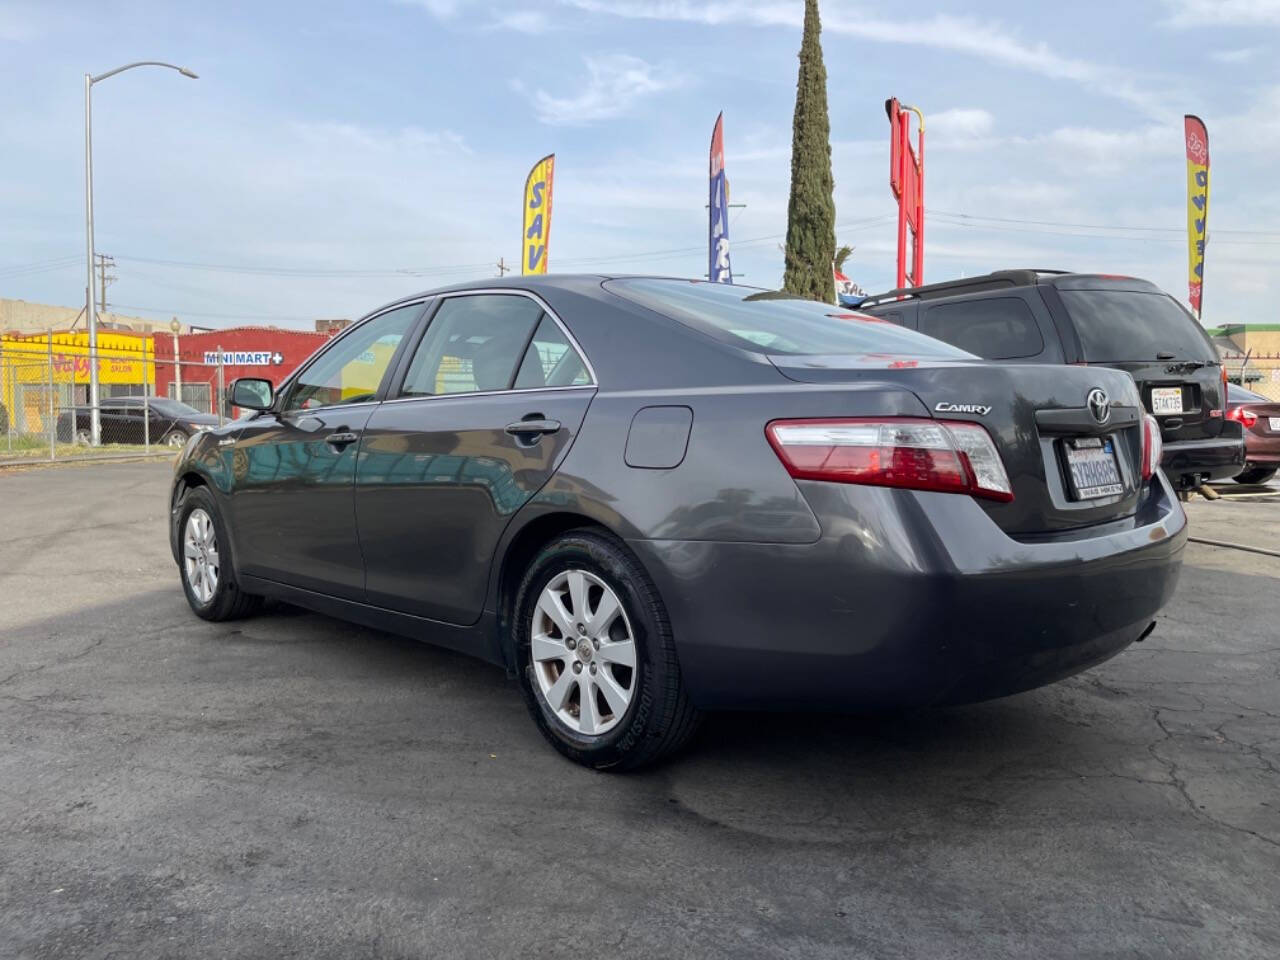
(770, 322)
(1126, 325)
(997, 329)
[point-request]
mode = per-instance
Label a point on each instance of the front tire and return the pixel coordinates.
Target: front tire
(1255, 475)
(597, 662)
(176, 439)
(204, 561)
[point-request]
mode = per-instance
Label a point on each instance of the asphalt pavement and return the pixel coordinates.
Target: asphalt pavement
(291, 786)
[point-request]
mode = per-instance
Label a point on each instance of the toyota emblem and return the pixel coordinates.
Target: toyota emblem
(1099, 405)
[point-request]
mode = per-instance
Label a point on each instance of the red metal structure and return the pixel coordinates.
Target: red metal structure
(906, 180)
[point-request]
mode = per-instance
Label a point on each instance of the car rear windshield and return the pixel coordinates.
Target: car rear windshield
(1127, 325)
(771, 322)
(1241, 395)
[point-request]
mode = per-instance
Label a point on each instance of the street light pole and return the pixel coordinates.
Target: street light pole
(92, 316)
(89, 81)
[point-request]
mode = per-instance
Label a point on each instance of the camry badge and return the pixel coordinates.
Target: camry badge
(1099, 405)
(977, 408)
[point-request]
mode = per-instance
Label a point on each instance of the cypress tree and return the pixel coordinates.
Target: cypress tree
(811, 212)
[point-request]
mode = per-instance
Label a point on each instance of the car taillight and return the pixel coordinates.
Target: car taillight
(1152, 446)
(918, 454)
(1247, 417)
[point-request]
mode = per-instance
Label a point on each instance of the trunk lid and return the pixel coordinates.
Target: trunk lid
(1033, 412)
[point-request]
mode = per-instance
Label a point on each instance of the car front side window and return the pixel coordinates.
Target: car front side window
(351, 370)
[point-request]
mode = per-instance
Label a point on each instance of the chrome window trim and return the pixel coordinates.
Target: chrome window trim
(307, 411)
(507, 291)
(490, 393)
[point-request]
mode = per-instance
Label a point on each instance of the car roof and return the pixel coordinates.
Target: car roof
(1009, 279)
(580, 283)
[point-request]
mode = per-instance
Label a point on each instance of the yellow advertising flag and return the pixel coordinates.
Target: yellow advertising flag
(535, 236)
(1197, 206)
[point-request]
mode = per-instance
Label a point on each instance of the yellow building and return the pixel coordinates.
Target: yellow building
(42, 374)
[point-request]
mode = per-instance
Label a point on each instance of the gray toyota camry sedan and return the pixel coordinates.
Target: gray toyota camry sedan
(647, 498)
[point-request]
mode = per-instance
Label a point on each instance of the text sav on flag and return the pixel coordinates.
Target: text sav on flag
(1197, 205)
(718, 269)
(848, 293)
(535, 237)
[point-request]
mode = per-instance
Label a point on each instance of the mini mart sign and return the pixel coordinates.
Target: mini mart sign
(244, 358)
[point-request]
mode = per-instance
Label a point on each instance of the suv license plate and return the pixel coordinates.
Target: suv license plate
(1166, 400)
(1094, 471)
(1274, 423)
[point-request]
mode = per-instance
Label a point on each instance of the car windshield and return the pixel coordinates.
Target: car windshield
(1128, 325)
(778, 323)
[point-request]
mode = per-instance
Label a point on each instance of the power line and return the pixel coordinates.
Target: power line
(971, 224)
(1095, 226)
(264, 270)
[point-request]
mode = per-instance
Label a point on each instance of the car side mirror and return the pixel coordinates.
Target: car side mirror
(252, 393)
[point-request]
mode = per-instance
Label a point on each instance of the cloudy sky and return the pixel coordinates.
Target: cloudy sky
(333, 156)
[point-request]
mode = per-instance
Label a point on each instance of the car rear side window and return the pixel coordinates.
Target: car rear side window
(551, 360)
(472, 345)
(1129, 325)
(772, 322)
(1002, 328)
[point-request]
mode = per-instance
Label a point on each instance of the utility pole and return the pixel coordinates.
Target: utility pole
(104, 261)
(503, 269)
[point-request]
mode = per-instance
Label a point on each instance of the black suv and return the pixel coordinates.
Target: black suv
(1045, 316)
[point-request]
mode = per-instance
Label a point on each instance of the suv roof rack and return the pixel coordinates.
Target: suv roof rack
(950, 288)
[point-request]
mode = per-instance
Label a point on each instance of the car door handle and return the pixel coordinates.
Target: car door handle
(532, 427)
(341, 438)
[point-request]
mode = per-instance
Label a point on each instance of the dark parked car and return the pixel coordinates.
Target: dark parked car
(1260, 418)
(125, 420)
(1044, 316)
(648, 497)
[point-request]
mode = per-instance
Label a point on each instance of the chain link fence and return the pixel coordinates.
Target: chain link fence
(145, 405)
(1261, 374)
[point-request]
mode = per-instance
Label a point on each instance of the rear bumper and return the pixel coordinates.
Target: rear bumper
(1218, 458)
(1262, 451)
(909, 599)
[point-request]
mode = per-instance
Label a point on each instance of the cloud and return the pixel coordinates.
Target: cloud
(522, 21)
(1243, 55)
(1223, 13)
(961, 124)
(440, 9)
(21, 23)
(406, 141)
(989, 40)
(615, 82)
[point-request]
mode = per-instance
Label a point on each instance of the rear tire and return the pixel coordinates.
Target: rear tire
(204, 561)
(1255, 475)
(623, 658)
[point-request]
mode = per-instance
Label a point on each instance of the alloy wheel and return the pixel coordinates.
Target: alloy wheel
(583, 652)
(200, 555)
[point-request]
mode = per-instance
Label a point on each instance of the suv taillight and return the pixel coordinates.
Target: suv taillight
(919, 454)
(1152, 446)
(1247, 417)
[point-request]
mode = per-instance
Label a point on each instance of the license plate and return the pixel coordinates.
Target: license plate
(1166, 400)
(1094, 471)
(1275, 424)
